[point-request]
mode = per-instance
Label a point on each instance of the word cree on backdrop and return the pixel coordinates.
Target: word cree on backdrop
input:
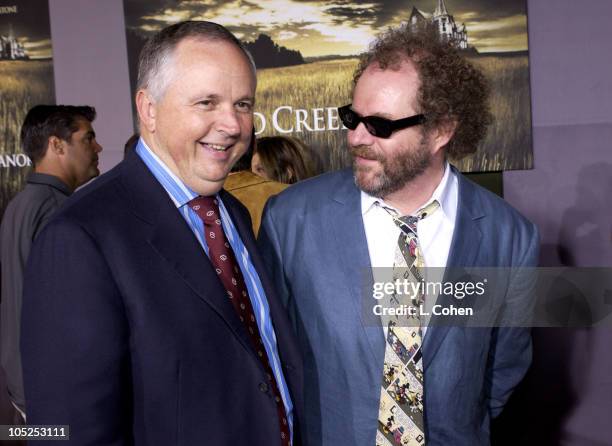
(298, 120)
(8, 9)
(15, 160)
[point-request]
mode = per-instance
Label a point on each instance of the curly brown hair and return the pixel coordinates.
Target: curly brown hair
(453, 91)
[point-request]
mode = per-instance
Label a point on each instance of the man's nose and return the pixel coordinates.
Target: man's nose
(229, 122)
(360, 136)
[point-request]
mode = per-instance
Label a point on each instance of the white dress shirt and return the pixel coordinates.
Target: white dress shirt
(435, 232)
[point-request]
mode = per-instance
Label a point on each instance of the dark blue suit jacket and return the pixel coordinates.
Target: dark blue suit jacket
(314, 243)
(128, 336)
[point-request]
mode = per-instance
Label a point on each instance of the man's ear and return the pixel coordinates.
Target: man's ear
(56, 145)
(147, 110)
(443, 134)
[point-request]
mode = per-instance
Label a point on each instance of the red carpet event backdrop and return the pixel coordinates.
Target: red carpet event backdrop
(306, 52)
(26, 79)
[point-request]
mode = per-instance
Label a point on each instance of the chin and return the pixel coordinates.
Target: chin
(205, 187)
(369, 186)
(365, 176)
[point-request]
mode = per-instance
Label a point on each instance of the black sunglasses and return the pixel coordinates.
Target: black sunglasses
(377, 126)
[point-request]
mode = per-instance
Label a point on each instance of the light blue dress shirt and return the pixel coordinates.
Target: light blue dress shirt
(181, 195)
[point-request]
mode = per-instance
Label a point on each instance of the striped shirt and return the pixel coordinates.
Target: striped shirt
(181, 195)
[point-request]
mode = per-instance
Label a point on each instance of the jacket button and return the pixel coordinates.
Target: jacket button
(263, 387)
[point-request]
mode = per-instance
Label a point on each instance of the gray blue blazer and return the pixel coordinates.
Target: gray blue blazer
(314, 244)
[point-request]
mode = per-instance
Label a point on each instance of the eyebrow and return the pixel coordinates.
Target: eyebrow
(214, 96)
(377, 115)
(200, 97)
(247, 98)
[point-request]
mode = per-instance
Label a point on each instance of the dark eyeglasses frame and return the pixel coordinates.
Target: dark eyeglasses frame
(375, 125)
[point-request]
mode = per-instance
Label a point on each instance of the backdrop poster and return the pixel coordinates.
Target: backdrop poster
(306, 52)
(26, 79)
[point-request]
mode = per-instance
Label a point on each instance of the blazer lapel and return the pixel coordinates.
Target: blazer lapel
(352, 247)
(171, 237)
(288, 348)
(245, 230)
(243, 227)
(463, 253)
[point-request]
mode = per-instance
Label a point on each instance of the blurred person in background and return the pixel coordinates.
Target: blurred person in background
(282, 159)
(130, 144)
(252, 190)
(61, 143)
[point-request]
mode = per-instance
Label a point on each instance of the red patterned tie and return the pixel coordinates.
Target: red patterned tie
(223, 259)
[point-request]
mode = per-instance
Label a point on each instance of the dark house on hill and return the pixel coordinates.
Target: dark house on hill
(444, 22)
(11, 49)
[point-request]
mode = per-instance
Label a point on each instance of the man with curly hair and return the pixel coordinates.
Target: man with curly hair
(417, 103)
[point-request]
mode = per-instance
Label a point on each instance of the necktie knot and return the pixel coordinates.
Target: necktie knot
(207, 208)
(410, 221)
(407, 220)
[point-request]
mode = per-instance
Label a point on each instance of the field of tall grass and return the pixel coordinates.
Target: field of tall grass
(309, 86)
(328, 84)
(508, 145)
(22, 85)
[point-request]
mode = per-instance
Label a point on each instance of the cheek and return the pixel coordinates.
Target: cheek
(390, 150)
(247, 121)
(182, 154)
(180, 141)
(175, 125)
(84, 154)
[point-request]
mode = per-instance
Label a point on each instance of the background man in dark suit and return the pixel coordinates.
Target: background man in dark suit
(149, 319)
(61, 143)
(415, 102)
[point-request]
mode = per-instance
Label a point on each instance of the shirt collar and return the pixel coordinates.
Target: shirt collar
(441, 193)
(179, 192)
(49, 180)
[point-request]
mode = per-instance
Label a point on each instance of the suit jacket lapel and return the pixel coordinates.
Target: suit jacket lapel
(467, 235)
(245, 230)
(170, 236)
(286, 343)
(352, 247)
(280, 321)
(463, 253)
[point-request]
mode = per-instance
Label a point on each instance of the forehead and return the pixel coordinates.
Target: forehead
(387, 91)
(212, 63)
(83, 125)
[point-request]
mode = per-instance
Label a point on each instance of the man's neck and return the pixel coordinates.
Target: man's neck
(415, 193)
(47, 169)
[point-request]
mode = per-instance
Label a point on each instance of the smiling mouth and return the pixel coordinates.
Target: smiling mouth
(215, 147)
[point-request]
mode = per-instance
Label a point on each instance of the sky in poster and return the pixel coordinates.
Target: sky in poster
(28, 22)
(318, 28)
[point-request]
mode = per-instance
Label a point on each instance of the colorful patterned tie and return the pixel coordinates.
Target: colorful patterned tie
(223, 259)
(400, 416)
